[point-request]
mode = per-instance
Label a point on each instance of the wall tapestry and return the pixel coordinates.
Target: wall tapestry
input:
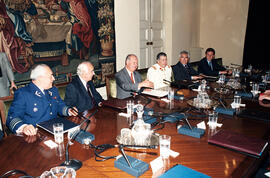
(60, 33)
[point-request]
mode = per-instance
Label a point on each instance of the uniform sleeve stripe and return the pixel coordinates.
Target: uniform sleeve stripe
(14, 122)
(65, 111)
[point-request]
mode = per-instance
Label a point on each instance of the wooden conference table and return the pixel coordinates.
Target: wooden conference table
(35, 158)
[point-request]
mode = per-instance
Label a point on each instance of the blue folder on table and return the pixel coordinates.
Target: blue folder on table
(48, 125)
(182, 172)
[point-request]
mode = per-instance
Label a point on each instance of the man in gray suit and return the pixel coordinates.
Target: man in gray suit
(128, 80)
(6, 76)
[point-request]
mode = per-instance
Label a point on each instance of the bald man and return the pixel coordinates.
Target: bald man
(81, 92)
(37, 102)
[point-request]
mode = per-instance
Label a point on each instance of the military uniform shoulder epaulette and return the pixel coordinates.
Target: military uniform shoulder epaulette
(154, 67)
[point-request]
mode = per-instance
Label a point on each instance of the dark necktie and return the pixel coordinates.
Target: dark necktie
(0, 72)
(91, 95)
(187, 68)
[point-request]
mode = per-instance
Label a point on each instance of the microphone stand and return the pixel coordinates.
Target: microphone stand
(73, 163)
(139, 94)
(185, 118)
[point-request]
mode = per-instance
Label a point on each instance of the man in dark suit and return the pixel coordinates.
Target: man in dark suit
(81, 92)
(208, 66)
(182, 70)
(128, 80)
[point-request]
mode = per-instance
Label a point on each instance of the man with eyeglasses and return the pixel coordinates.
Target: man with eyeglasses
(37, 102)
(81, 92)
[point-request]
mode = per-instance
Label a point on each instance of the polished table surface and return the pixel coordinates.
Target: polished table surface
(32, 156)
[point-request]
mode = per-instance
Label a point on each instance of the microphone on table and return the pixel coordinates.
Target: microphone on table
(236, 65)
(121, 149)
(182, 84)
(140, 92)
(85, 119)
(73, 163)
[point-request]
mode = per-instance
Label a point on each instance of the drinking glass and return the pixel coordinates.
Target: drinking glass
(264, 78)
(164, 145)
(213, 119)
(170, 94)
(130, 107)
(255, 87)
(58, 132)
(60, 150)
(222, 79)
(237, 101)
(233, 72)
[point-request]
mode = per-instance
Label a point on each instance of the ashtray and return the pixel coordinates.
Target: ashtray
(212, 104)
(59, 172)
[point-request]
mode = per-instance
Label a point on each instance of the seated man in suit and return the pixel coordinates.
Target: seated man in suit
(182, 70)
(160, 71)
(208, 66)
(81, 92)
(128, 80)
(37, 102)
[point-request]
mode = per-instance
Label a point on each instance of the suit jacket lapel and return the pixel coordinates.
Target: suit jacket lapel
(82, 88)
(127, 76)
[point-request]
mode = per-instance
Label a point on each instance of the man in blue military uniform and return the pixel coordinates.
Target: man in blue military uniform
(36, 102)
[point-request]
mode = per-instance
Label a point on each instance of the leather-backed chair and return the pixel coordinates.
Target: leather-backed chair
(111, 83)
(219, 61)
(195, 65)
(62, 91)
(4, 107)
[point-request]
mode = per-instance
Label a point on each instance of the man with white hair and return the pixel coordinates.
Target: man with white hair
(81, 92)
(183, 71)
(37, 102)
